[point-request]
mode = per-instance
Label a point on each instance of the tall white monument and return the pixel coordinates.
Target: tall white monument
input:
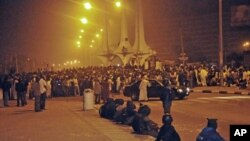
(124, 50)
(141, 50)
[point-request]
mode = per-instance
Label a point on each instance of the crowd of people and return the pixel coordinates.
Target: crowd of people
(106, 81)
(112, 79)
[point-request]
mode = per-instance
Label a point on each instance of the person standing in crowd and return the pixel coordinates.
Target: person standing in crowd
(76, 86)
(203, 76)
(97, 90)
(167, 131)
(48, 84)
(209, 133)
(37, 94)
(105, 90)
(6, 90)
(43, 89)
(110, 82)
(143, 96)
(26, 83)
(118, 84)
(20, 88)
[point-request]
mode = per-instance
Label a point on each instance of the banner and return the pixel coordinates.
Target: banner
(240, 15)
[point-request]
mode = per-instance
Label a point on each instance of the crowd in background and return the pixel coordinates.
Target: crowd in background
(72, 82)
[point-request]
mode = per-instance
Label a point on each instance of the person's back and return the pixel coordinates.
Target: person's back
(209, 133)
(167, 131)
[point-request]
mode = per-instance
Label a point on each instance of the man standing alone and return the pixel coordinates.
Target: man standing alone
(42, 85)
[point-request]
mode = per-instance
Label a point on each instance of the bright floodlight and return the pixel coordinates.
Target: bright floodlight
(84, 20)
(97, 35)
(80, 37)
(82, 30)
(118, 4)
(246, 44)
(87, 5)
(78, 42)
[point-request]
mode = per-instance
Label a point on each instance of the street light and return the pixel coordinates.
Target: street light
(118, 4)
(87, 5)
(84, 20)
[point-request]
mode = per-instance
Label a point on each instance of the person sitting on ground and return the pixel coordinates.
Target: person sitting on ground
(167, 131)
(103, 111)
(127, 114)
(142, 124)
(209, 133)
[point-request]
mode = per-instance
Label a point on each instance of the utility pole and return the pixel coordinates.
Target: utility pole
(17, 71)
(220, 43)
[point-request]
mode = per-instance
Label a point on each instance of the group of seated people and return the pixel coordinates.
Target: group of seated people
(139, 120)
(127, 114)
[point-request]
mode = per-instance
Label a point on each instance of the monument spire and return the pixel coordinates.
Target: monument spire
(124, 50)
(141, 49)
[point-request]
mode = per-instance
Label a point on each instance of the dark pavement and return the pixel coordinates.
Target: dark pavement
(63, 120)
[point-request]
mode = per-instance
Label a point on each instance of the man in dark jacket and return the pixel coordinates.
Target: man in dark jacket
(209, 133)
(6, 90)
(167, 131)
(166, 99)
(142, 124)
(20, 88)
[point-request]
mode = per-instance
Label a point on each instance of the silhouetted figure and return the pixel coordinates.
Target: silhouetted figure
(209, 133)
(167, 131)
(126, 116)
(166, 99)
(142, 124)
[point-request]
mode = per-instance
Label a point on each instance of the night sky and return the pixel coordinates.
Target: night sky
(40, 28)
(48, 29)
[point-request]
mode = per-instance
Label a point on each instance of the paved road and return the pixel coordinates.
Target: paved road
(65, 120)
(190, 114)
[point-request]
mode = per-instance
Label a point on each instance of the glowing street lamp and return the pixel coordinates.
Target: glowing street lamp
(84, 20)
(87, 5)
(97, 35)
(118, 4)
(78, 43)
(246, 45)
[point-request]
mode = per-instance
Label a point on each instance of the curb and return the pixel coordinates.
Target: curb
(221, 92)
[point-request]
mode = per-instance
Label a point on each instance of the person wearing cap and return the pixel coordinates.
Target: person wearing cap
(209, 133)
(167, 131)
